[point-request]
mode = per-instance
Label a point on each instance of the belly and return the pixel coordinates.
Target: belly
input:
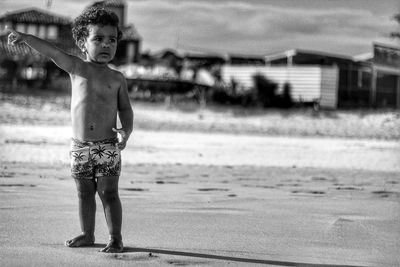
(93, 121)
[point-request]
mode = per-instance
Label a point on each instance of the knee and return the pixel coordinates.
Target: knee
(85, 194)
(109, 195)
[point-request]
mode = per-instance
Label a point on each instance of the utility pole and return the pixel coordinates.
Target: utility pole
(49, 4)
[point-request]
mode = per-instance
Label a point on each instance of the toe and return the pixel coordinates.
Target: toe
(80, 241)
(110, 249)
(105, 250)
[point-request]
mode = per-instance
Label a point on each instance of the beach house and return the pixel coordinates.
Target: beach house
(367, 80)
(21, 64)
(330, 80)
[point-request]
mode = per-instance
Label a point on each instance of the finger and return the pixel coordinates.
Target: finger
(120, 131)
(12, 42)
(121, 145)
(12, 38)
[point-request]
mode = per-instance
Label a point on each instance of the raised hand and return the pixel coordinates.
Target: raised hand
(123, 138)
(14, 37)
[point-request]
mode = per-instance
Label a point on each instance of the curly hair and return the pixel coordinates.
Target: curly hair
(95, 16)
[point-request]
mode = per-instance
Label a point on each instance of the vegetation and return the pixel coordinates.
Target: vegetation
(396, 34)
(49, 108)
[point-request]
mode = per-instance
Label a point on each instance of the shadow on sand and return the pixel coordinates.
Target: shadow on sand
(228, 258)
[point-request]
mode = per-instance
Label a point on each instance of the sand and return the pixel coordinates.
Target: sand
(198, 199)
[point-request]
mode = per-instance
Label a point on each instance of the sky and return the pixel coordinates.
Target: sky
(249, 27)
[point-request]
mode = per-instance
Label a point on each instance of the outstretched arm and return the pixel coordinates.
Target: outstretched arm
(125, 114)
(63, 60)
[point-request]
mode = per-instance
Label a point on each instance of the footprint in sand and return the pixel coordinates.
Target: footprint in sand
(317, 178)
(7, 174)
(349, 188)
(136, 189)
(18, 185)
(166, 182)
(134, 257)
(185, 263)
(322, 179)
(265, 186)
(312, 192)
(384, 193)
(211, 189)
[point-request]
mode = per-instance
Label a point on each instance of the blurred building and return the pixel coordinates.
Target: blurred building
(369, 80)
(21, 63)
(25, 64)
(49, 26)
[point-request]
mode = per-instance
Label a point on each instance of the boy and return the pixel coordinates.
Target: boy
(98, 95)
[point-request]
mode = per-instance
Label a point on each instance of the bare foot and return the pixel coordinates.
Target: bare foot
(82, 240)
(114, 246)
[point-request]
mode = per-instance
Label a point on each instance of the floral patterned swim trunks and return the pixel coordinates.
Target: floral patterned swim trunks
(90, 160)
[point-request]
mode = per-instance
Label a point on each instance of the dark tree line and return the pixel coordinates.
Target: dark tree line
(396, 34)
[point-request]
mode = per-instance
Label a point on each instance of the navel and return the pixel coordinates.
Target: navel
(92, 126)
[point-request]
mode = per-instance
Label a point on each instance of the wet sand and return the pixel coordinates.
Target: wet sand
(193, 199)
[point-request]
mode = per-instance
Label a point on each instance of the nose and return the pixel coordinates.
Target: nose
(105, 44)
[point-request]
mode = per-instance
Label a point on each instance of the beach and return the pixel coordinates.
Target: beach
(193, 196)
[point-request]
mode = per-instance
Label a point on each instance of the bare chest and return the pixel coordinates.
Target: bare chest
(98, 88)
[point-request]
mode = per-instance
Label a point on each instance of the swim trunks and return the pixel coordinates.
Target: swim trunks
(90, 160)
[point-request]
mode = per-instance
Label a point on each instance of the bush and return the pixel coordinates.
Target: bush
(286, 98)
(265, 90)
(228, 96)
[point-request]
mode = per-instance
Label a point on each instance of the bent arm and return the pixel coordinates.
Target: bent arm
(125, 111)
(61, 59)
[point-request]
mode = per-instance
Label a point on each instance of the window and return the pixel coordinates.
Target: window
(7, 24)
(32, 29)
(52, 32)
(42, 31)
(20, 27)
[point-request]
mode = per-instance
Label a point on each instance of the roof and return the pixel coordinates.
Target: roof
(364, 57)
(24, 50)
(10, 50)
(167, 52)
(293, 52)
(129, 32)
(35, 16)
(205, 55)
(110, 3)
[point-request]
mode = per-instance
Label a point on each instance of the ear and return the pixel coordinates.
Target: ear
(81, 45)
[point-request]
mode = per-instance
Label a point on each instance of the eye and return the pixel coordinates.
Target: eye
(97, 39)
(113, 40)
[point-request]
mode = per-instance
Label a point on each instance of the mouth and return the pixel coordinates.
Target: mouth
(104, 54)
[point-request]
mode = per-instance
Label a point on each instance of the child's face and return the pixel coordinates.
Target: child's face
(101, 44)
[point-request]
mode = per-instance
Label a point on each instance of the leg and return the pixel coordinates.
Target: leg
(87, 213)
(107, 188)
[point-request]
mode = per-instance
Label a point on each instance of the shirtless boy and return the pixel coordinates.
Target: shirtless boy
(99, 94)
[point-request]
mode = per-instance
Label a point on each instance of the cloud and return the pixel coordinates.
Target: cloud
(255, 27)
(237, 25)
